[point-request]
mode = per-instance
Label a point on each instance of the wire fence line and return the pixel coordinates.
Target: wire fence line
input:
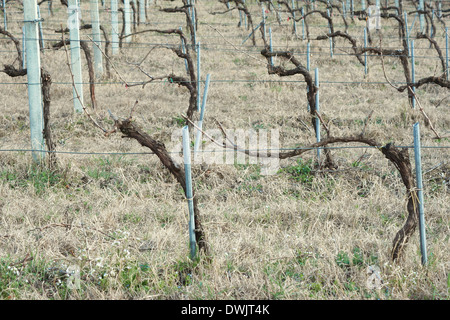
(247, 49)
(215, 81)
(220, 47)
(218, 151)
(209, 46)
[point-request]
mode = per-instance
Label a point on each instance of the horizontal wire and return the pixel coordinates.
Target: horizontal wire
(134, 83)
(218, 151)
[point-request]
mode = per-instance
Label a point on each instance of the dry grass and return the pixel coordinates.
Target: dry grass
(122, 220)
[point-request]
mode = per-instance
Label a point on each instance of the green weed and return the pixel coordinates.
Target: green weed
(301, 172)
(359, 259)
(40, 178)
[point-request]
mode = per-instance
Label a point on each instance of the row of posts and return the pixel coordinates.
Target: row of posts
(32, 47)
(31, 29)
(416, 130)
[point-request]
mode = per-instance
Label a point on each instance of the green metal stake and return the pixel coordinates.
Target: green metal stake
(253, 31)
(75, 57)
(133, 15)
(308, 53)
(331, 39)
(142, 11)
(34, 79)
(202, 115)
(264, 22)
(317, 109)
(413, 73)
(95, 21)
(446, 52)
(365, 53)
(193, 21)
(245, 18)
(189, 196)
(417, 158)
(114, 27)
(421, 17)
(303, 23)
(127, 13)
(431, 27)
(198, 77)
(183, 49)
(24, 52)
(41, 34)
(405, 15)
(270, 45)
(308, 49)
(4, 15)
(293, 18)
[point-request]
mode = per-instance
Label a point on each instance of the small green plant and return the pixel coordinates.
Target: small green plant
(179, 121)
(134, 278)
(361, 165)
(359, 259)
(258, 126)
(379, 120)
(98, 173)
(343, 260)
(40, 178)
(184, 271)
(351, 286)
(132, 217)
(301, 172)
(276, 88)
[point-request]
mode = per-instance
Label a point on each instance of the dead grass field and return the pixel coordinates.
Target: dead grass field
(303, 233)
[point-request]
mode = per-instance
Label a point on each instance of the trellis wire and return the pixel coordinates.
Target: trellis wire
(215, 150)
(264, 20)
